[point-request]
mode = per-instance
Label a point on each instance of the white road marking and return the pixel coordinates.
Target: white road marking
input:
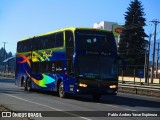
(75, 114)
(119, 107)
(122, 108)
(8, 84)
(71, 113)
(46, 106)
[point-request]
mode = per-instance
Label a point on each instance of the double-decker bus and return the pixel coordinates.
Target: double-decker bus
(69, 60)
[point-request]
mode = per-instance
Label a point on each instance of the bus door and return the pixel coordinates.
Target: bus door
(69, 43)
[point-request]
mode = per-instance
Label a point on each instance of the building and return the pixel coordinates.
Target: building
(110, 26)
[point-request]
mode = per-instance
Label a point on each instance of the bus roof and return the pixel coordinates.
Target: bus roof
(63, 29)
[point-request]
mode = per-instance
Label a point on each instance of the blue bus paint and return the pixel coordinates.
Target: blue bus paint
(86, 66)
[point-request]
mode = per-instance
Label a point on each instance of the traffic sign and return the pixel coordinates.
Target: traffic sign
(141, 73)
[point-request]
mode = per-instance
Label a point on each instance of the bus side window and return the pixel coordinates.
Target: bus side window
(22, 46)
(50, 41)
(34, 43)
(27, 46)
(42, 67)
(35, 67)
(59, 40)
(69, 40)
(19, 47)
(48, 67)
(41, 43)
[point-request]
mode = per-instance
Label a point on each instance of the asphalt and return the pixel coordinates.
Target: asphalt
(76, 107)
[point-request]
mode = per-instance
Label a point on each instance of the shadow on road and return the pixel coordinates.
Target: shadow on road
(120, 99)
(132, 101)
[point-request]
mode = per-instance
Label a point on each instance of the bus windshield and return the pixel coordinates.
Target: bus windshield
(94, 40)
(90, 68)
(96, 53)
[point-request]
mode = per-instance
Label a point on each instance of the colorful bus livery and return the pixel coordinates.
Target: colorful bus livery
(70, 60)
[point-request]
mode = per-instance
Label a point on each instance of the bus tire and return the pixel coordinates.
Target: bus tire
(28, 86)
(96, 97)
(22, 82)
(25, 85)
(61, 91)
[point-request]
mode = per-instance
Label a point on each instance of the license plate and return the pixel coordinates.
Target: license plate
(109, 91)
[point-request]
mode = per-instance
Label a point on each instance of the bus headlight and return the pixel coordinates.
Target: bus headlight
(113, 86)
(82, 85)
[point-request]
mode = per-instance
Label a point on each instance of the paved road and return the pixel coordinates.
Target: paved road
(17, 99)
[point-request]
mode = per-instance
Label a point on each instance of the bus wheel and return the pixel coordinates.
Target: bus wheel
(96, 97)
(61, 90)
(28, 86)
(22, 82)
(25, 85)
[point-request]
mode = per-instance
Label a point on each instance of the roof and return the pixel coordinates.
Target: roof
(8, 59)
(63, 29)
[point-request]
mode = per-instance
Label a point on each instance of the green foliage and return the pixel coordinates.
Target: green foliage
(2, 52)
(7, 66)
(132, 45)
(2, 57)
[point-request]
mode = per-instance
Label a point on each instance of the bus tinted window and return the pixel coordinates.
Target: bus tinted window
(41, 42)
(35, 67)
(95, 40)
(50, 42)
(24, 46)
(69, 39)
(69, 51)
(19, 46)
(55, 67)
(59, 40)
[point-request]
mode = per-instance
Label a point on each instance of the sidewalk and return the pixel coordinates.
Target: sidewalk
(12, 75)
(131, 79)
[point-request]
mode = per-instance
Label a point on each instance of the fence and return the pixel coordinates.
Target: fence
(139, 82)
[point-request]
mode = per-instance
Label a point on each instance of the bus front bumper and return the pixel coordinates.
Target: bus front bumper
(97, 90)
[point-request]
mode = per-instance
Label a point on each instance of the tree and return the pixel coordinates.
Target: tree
(132, 45)
(2, 52)
(11, 62)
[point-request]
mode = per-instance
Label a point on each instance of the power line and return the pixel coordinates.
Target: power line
(157, 59)
(11, 44)
(149, 28)
(155, 22)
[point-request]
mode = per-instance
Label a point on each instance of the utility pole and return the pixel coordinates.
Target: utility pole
(155, 23)
(148, 73)
(4, 55)
(157, 60)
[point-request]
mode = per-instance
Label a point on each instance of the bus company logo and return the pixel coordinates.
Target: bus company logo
(105, 54)
(92, 53)
(6, 114)
(46, 55)
(98, 53)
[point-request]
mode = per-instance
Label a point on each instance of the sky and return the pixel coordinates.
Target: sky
(21, 19)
